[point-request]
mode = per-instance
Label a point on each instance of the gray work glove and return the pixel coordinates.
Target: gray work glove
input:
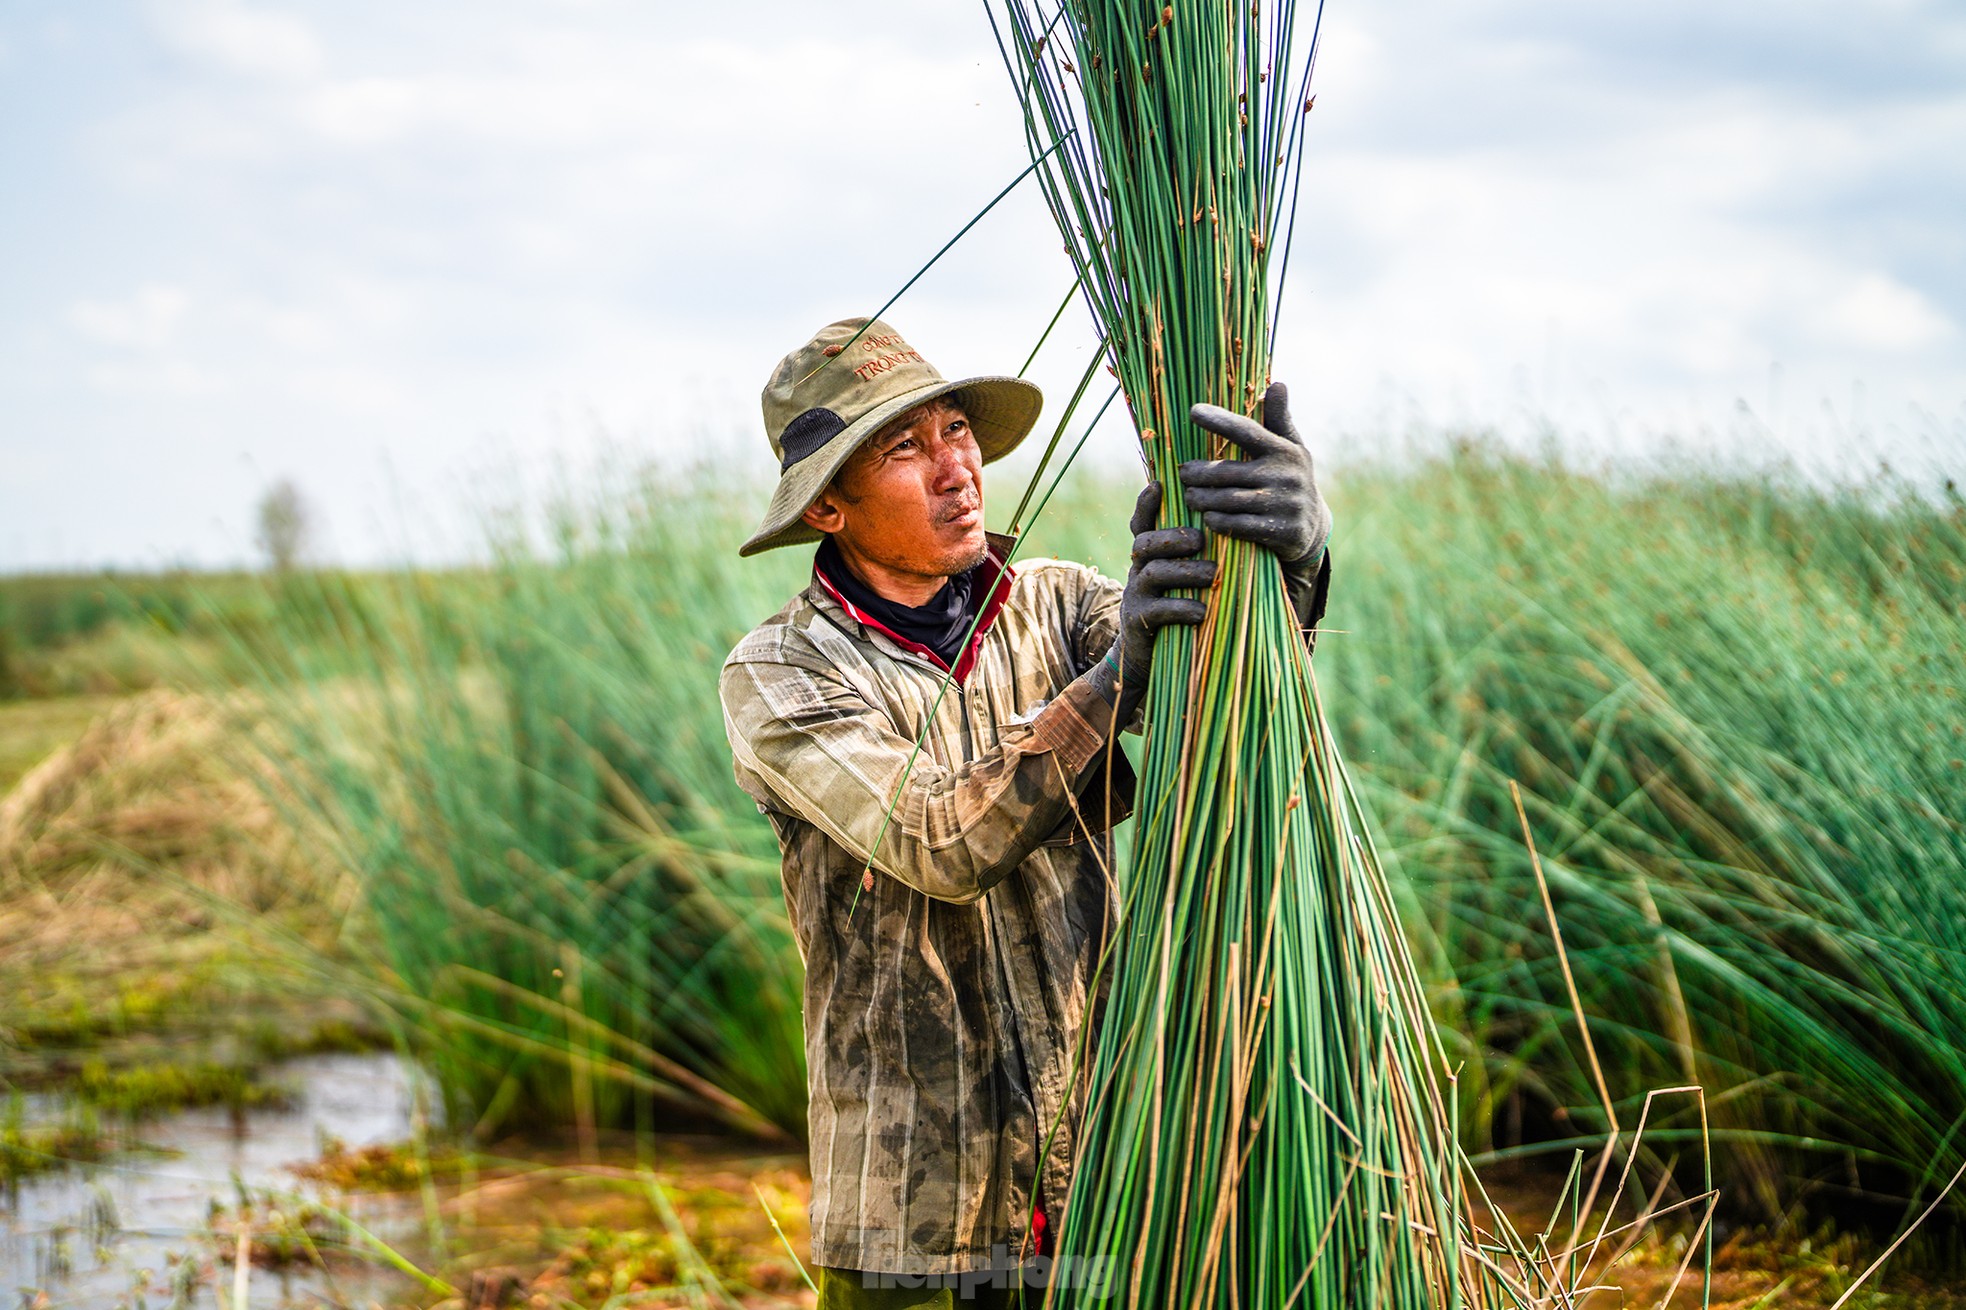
(1163, 560)
(1269, 498)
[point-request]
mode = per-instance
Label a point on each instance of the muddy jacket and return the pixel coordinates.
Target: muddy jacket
(945, 998)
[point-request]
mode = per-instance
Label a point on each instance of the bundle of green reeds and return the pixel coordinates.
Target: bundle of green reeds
(1266, 1125)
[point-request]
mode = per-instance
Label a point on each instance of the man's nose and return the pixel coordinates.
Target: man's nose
(952, 470)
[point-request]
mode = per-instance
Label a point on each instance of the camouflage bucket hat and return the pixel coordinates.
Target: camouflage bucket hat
(846, 384)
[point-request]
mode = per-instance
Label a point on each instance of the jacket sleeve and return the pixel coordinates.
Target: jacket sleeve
(1309, 585)
(819, 750)
(1098, 623)
(1098, 620)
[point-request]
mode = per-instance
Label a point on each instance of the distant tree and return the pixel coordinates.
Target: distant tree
(283, 525)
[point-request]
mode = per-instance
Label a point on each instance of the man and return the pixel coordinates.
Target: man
(951, 906)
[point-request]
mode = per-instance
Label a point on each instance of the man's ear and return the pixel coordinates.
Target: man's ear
(825, 514)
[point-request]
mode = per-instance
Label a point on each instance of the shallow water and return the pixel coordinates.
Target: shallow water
(102, 1235)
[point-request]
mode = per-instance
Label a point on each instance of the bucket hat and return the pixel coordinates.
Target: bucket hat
(846, 384)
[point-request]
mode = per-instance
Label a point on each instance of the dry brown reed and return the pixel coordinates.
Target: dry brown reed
(124, 856)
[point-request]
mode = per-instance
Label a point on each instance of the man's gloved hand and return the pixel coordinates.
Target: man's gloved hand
(1270, 498)
(1163, 561)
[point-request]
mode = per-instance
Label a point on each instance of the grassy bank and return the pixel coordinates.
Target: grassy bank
(708, 1222)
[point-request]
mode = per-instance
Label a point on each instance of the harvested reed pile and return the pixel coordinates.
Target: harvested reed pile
(121, 856)
(141, 780)
(1266, 1125)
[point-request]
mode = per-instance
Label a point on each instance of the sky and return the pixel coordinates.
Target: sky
(415, 257)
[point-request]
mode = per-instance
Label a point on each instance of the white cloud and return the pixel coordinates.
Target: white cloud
(1875, 313)
(170, 379)
(1522, 211)
(255, 40)
(366, 110)
(148, 319)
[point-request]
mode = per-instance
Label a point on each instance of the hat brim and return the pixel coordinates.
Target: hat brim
(1002, 411)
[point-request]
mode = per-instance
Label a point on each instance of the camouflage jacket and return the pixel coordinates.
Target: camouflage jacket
(946, 999)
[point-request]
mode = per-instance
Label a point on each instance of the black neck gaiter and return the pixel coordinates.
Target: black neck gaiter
(939, 625)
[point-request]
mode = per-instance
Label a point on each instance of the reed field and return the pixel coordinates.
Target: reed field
(81, 634)
(1733, 706)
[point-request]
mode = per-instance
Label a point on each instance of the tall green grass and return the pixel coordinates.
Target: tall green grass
(1736, 710)
(1733, 705)
(561, 893)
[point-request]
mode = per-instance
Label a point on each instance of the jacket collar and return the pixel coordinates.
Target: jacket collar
(995, 580)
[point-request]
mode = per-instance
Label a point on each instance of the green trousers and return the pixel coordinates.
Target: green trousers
(843, 1289)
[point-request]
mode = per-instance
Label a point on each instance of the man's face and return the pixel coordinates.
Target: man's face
(911, 499)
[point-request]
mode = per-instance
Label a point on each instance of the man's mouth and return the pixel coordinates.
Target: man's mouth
(964, 516)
